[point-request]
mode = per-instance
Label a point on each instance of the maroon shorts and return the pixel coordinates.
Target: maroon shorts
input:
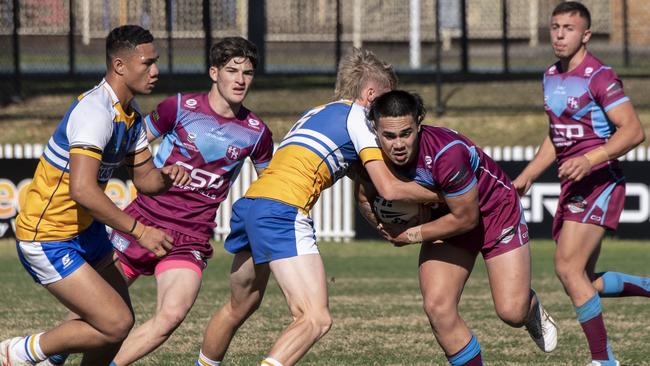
(597, 199)
(187, 251)
(502, 230)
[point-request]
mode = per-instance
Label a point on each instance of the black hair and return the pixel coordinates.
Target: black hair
(226, 49)
(397, 103)
(126, 37)
(573, 7)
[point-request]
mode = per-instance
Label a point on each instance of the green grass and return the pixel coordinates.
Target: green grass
(376, 306)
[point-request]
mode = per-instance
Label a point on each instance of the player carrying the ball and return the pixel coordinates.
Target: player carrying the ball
(484, 215)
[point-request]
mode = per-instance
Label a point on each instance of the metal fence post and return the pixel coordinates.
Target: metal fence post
(71, 47)
(626, 35)
(504, 36)
(15, 40)
(464, 42)
(168, 27)
(339, 31)
(440, 108)
(207, 30)
(257, 31)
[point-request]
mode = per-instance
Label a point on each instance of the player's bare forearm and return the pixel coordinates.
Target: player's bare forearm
(543, 159)
(463, 217)
(150, 180)
(392, 188)
(365, 193)
(85, 191)
(365, 208)
(99, 206)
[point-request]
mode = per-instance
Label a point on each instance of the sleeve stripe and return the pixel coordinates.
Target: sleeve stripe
(152, 128)
(616, 103)
(88, 152)
(370, 154)
(462, 191)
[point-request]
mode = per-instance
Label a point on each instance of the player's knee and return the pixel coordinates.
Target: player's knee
(439, 309)
(514, 312)
(240, 311)
(170, 317)
(565, 271)
(321, 322)
(119, 328)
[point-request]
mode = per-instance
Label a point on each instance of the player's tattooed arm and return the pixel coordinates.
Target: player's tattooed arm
(150, 180)
(365, 193)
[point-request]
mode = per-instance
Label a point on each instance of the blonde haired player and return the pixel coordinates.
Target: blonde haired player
(271, 230)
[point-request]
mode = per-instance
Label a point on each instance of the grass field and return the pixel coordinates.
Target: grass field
(376, 305)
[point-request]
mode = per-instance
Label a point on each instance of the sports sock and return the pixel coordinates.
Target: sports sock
(29, 349)
(616, 284)
(590, 316)
(203, 360)
(470, 355)
(270, 361)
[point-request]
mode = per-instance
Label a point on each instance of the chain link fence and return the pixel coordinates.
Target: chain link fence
(477, 36)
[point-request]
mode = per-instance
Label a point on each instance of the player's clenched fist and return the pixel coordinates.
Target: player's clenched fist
(154, 240)
(178, 176)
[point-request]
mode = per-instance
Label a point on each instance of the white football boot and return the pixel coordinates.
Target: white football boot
(542, 328)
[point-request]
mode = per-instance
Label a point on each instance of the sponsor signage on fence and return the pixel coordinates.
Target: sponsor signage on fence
(541, 201)
(335, 215)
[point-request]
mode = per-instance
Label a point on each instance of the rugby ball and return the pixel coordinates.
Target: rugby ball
(396, 212)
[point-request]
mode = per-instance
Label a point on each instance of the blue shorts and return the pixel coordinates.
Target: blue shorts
(51, 261)
(270, 230)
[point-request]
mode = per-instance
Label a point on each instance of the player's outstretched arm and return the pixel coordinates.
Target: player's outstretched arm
(392, 188)
(150, 180)
(629, 134)
(542, 160)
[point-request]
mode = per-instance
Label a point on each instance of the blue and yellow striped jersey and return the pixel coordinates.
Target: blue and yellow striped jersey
(315, 153)
(95, 125)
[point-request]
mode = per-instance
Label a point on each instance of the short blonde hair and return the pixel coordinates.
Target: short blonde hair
(357, 69)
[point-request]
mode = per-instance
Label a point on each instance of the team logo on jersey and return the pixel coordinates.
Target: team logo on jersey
(588, 71)
(191, 103)
(254, 123)
(233, 152)
(573, 102)
(577, 204)
(428, 161)
(191, 136)
(552, 70)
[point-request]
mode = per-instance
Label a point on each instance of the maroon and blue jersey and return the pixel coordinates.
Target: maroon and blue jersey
(452, 164)
(212, 148)
(577, 102)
